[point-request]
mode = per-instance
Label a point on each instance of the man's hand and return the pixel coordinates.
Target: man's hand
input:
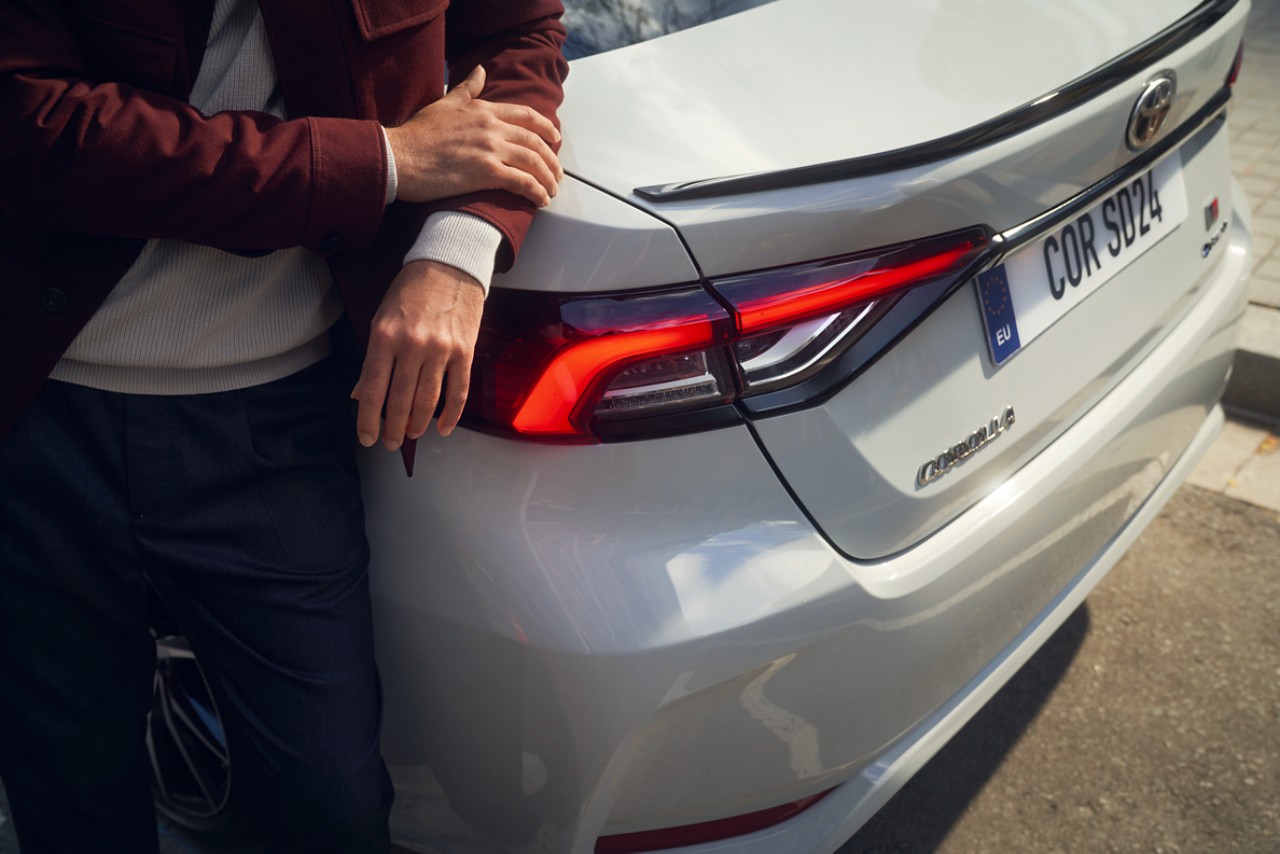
(423, 336)
(461, 144)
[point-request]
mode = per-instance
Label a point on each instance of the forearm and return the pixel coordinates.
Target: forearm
(460, 240)
(116, 159)
(521, 52)
(496, 167)
(238, 180)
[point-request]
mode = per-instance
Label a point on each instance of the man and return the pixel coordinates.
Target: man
(192, 194)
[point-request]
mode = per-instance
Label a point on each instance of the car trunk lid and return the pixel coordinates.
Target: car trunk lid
(827, 177)
(800, 82)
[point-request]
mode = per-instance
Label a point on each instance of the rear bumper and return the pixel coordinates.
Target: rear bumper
(851, 805)
(586, 641)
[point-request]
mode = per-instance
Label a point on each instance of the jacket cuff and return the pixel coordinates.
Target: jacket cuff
(348, 184)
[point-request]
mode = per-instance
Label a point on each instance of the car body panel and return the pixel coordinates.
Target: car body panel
(617, 247)
(582, 579)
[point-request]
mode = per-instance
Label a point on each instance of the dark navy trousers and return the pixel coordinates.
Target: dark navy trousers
(244, 508)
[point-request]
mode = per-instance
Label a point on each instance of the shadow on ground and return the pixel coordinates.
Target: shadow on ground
(921, 815)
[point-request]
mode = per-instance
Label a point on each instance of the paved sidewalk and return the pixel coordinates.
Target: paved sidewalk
(1244, 463)
(1255, 159)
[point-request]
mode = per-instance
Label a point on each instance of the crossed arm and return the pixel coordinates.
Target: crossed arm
(119, 160)
(424, 333)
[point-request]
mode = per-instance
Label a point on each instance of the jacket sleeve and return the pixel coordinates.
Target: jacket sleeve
(518, 42)
(122, 159)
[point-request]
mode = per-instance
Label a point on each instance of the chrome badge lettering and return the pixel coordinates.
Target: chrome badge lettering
(1212, 213)
(1213, 241)
(961, 451)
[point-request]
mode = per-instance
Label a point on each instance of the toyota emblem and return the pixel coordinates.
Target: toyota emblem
(1151, 110)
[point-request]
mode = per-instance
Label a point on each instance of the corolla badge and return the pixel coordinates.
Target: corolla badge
(1151, 110)
(961, 451)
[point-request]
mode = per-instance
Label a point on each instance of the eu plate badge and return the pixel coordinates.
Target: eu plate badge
(997, 313)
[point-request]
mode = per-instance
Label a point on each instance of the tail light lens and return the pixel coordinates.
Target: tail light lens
(547, 365)
(794, 321)
(1234, 74)
(587, 368)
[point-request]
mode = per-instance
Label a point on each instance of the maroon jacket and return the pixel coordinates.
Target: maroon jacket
(100, 151)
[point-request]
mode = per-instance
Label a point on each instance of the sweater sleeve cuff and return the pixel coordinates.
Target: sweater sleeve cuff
(460, 240)
(392, 181)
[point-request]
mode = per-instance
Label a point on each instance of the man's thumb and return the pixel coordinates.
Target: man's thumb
(474, 84)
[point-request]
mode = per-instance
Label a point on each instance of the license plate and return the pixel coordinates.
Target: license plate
(1036, 286)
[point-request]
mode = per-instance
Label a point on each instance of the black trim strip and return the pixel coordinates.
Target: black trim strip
(1017, 120)
(1028, 231)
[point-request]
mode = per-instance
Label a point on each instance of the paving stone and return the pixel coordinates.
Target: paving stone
(1268, 269)
(1265, 292)
(1253, 78)
(1266, 226)
(1258, 139)
(1269, 123)
(1242, 120)
(1266, 169)
(1258, 481)
(1243, 157)
(1263, 248)
(1246, 153)
(1259, 189)
(1228, 454)
(1261, 331)
(1272, 155)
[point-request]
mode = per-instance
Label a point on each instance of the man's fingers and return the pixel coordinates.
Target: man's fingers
(457, 383)
(399, 403)
(527, 118)
(427, 325)
(529, 161)
(371, 391)
(532, 143)
(424, 403)
(465, 144)
(521, 183)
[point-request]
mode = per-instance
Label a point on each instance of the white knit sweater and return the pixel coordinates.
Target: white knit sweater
(190, 319)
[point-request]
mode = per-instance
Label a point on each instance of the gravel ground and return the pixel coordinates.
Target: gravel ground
(1150, 722)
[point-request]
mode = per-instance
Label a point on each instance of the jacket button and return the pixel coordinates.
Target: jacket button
(332, 243)
(54, 300)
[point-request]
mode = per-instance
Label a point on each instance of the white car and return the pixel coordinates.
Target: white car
(860, 342)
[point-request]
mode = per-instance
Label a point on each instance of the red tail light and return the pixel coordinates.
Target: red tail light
(547, 365)
(794, 322)
(1234, 74)
(790, 296)
(580, 369)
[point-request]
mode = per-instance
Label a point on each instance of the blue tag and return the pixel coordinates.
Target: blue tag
(997, 309)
